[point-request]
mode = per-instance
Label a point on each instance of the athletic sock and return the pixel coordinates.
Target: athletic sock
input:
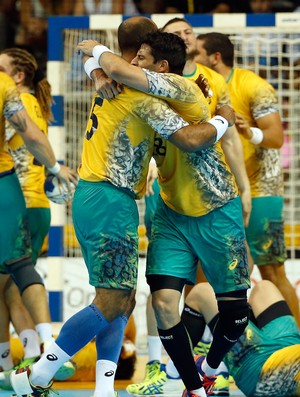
(199, 392)
(105, 370)
(6, 361)
(47, 366)
(30, 342)
(80, 329)
(109, 342)
(177, 344)
(209, 371)
(194, 323)
(45, 332)
(171, 370)
(154, 348)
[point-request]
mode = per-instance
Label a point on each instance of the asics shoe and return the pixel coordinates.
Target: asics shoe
(153, 368)
(5, 375)
(23, 387)
(221, 385)
(152, 387)
(202, 348)
(207, 381)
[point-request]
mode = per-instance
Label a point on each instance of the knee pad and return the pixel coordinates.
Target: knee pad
(233, 317)
(23, 273)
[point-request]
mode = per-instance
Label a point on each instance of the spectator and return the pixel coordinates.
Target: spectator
(88, 7)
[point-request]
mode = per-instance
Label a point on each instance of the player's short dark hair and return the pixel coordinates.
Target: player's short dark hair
(167, 46)
(218, 42)
(132, 31)
(174, 20)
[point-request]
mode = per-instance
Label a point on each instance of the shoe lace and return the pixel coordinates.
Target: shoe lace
(209, 383)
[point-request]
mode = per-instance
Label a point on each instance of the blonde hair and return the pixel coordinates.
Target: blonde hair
(25, 62)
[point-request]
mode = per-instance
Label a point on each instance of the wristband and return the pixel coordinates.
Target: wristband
(98, 50)
(257, 135)
(55, 169)
(90, 65)
(220, 124)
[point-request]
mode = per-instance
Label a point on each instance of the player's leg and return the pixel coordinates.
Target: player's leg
(224, 262)
(265, 235)
(170, 265)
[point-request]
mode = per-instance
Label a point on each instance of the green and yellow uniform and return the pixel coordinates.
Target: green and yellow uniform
(253, 97)
(31, 175)
(118, 144)
(197, 189)
(14, 234)
(266, 361)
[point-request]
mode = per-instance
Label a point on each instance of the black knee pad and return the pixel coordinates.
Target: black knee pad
(23, 272)
(233, 317)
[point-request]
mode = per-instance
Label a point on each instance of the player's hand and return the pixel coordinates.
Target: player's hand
(106, 87)
(227, 112)
(68, 175)
(87, 46)
(204, 86)
(243, 127)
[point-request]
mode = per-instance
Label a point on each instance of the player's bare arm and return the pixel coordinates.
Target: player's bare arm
(116, 67)
(234, 154)
(38, 144)
(271, 130)
(193, 138)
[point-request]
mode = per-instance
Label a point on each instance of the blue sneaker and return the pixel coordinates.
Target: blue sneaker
(207, 381)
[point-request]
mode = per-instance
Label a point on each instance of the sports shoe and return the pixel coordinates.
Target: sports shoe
(154, 386)
(23, 387)
(153, 368)
(207, 381)
(173, 387)
(5, 375)
(202, 348)
(221, 385)
(187, 393)
(66, 371)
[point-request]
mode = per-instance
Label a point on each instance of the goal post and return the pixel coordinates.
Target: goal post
(269, 44)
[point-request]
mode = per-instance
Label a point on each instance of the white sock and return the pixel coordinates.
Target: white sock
(200, 392)
(105, 378)
(209, 371)
(45, 332)
(207, 335)
(47, 366)
(30, 342)
(222, 368)
(6, 361)
(154, 348)
(171, 369)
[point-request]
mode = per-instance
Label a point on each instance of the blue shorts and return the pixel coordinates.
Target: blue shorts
(106, 225)
(217, 239)
(265, 233)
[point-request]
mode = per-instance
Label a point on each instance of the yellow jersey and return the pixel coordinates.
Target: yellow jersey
(10, 103)
(119, 140)
(194, 184)
(30, 172)
(253, 97)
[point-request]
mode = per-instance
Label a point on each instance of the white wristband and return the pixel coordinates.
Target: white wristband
(90, 65)
(98, 50)
(257, 135)
(221, 125)
(55, 169)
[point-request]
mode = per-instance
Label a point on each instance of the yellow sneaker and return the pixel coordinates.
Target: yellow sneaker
(221, 385)
(150, 387)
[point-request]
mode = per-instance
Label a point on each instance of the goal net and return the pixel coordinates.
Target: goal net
(272, 51)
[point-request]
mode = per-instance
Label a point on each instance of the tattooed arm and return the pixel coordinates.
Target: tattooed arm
(34, 139)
